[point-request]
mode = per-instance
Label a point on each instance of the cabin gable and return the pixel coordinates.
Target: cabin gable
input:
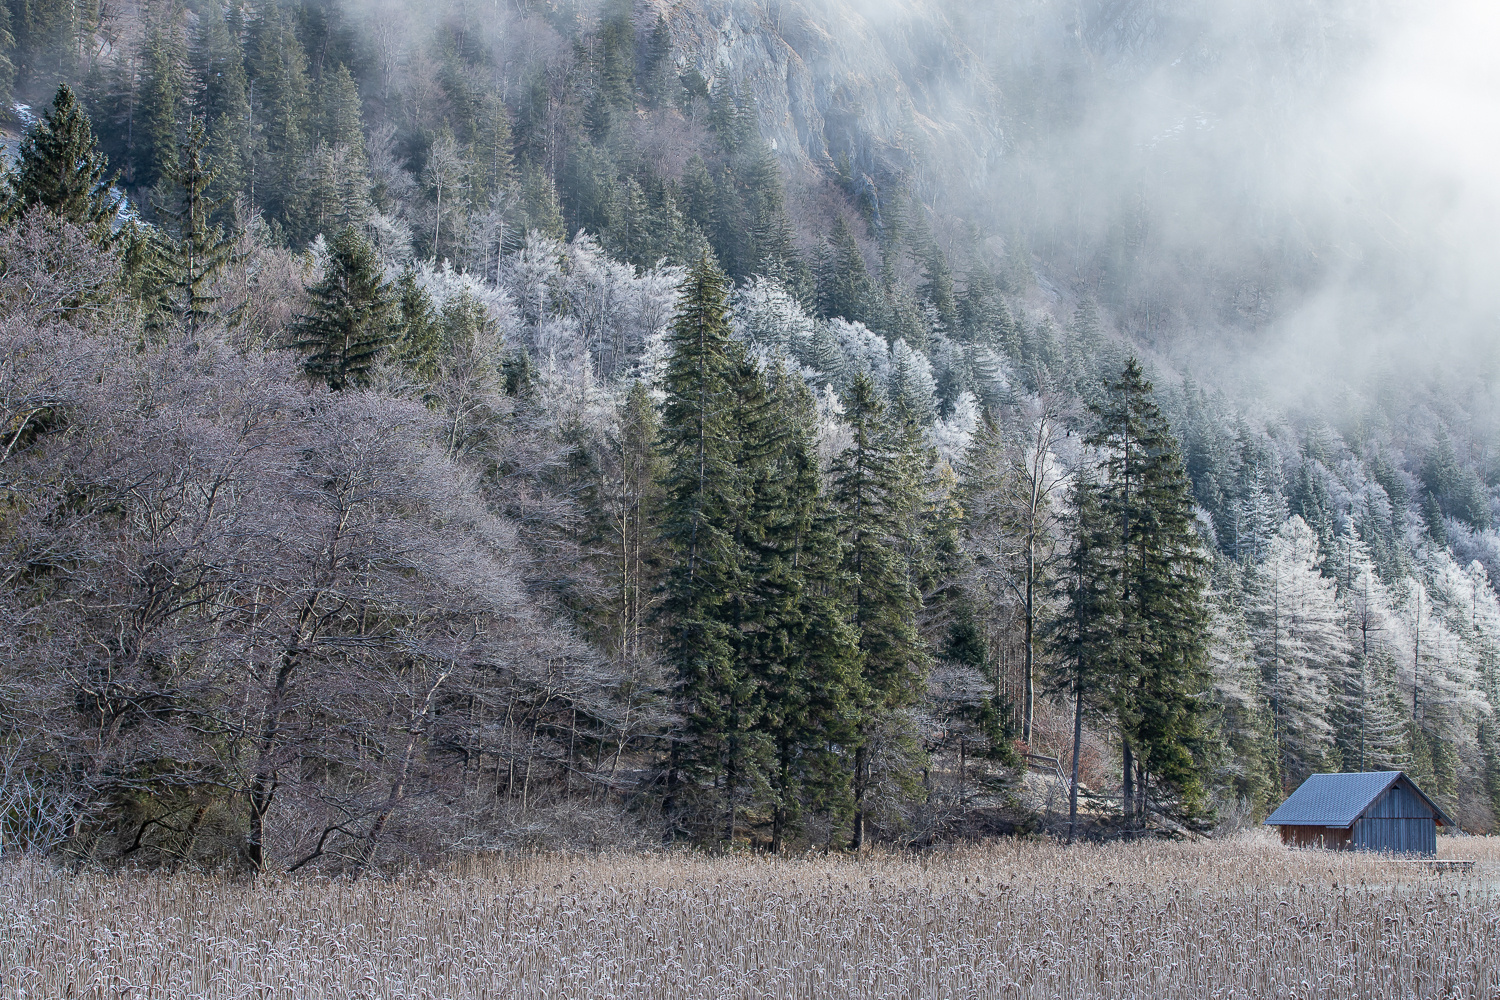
(1399, 821)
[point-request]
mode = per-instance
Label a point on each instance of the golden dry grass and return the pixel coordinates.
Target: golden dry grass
(1238, 919)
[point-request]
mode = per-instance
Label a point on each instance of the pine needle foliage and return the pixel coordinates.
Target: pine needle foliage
(876, 497)
(61, 169)
(353, 316)
(1159, 662)
(201, 250)
(703, 498)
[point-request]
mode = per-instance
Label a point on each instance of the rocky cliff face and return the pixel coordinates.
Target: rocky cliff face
(889, 85)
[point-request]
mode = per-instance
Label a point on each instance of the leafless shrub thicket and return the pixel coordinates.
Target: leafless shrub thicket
(243, 617)
(1239, 919)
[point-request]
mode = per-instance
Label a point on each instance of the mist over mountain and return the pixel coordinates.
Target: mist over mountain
(775, 423)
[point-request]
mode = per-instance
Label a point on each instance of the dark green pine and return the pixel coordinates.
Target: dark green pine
(1160, 661)
(700, 511)
(803, 649)
(1081, 638)
(420, 330)
(844, 286)
(284, 111)
(353, 317)
(61, 169)
(875, 498)
(219, 62)
(162, 94)
(201, 250)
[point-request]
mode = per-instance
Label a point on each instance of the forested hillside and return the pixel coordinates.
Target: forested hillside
(474, 426)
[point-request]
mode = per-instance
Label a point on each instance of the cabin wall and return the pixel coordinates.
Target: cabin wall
(1331, 837)
(1398, 822)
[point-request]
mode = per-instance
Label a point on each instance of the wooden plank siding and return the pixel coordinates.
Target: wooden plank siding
(1332, 838)
(1399, 822)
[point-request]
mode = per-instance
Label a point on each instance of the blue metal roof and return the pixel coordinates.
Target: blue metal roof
(1340, 799)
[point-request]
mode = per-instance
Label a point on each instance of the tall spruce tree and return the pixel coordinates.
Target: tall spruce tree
(282, 93)
(7, 64)
(1159, 663)
(201, 250)
(420, 341)
(844, 285)
(874, 498)
(218, 59)
(1082, 637)
(162, 93)
(61, 169)
(700, 511)
(353, 318)
(797, 642)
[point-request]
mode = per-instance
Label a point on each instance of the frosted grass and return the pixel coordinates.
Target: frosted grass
(1025, 920)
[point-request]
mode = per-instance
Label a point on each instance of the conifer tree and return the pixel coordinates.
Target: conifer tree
(874, 498)
(1082, 637)
(936, 289)
(698, 199)
(1370, 736)
(353, 317)
(1159, 664)
(658, 82)
(201, 250)
(1243, 727)
(1301, 646)
(7, 64)
(61, 169)
(282, 92)
(700, 511)
(844, 286)
(492, 153)
(420, 338)
(983, 319)
(824, 355)
(47, 34)
(336, 182)
(539, 204)
(340, 121)
(801, 646)
(162, 93)
(218, 60)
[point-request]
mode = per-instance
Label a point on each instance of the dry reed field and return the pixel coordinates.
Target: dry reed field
(1034, 920)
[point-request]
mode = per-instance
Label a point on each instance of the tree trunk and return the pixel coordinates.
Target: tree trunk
(403, 775)
(1077, 741)
(1030, 624)
(731, 776)
(779, 817)
(857, 832)
(190, 837)
(962, 767)
(263, 785)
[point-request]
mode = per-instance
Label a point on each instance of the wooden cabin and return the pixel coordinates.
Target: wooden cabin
(1369, 811)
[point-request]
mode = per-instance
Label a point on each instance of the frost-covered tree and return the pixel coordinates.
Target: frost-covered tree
(1243, 717)
(1450, 660)
(1369, 716)
(910, 386)
(864, 352)
(1301, 647)
(768, 317)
